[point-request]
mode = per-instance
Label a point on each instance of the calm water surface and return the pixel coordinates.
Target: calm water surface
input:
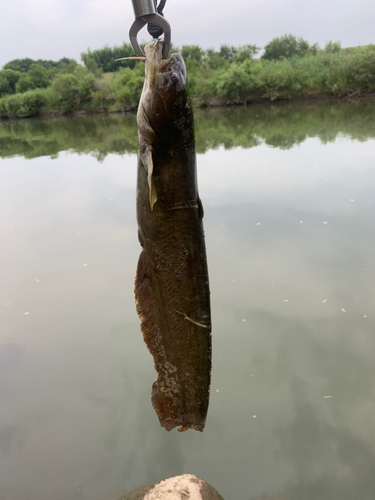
(289, 196)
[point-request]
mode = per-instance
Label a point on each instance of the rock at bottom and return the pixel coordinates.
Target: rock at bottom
(186, 487)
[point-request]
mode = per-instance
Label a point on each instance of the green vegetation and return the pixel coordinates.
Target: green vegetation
(288, 46)
(289, 68)
(23, 65)
(104, 60)
(282, 126)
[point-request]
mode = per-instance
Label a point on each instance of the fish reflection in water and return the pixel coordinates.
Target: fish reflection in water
(171, 286)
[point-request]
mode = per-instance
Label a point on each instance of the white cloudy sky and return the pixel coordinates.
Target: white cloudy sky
(51, 29)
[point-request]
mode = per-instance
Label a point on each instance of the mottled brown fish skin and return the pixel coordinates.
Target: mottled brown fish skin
(171, 287)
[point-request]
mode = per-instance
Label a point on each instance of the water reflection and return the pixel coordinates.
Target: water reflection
(76, 420)
(282, 126)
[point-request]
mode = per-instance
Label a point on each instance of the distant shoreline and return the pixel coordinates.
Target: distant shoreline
(230, 76)
(215, 102)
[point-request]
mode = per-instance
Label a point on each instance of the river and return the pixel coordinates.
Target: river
(289, 198)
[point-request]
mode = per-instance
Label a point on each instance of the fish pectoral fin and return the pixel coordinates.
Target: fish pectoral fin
(146, 158)
(145, 129)
(152, 196)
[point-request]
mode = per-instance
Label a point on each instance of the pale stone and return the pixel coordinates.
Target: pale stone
(185, 487)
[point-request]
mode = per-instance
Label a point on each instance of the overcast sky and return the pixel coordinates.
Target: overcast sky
(51, 29)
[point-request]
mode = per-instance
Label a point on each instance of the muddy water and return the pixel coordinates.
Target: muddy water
(289, 196)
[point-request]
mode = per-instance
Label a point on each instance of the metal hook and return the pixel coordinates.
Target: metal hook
(145, 13)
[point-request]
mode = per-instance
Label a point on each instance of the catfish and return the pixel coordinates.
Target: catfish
(171, 286)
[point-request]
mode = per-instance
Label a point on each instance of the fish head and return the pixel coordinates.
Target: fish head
(163, 107)
(166, 77)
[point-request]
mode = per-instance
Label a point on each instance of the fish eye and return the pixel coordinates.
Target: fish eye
(174, 77)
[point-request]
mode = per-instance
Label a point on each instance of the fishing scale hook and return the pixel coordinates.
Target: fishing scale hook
(147, 12)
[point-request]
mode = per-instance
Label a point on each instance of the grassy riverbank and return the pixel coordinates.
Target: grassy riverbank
(229, 76)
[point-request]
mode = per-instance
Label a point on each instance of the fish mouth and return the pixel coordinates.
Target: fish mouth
(155, 64)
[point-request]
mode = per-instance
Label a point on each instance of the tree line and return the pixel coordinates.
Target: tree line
(289, 67)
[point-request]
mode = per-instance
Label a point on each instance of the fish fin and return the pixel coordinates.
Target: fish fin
(200, 208)
(145, 129)
(152, 196)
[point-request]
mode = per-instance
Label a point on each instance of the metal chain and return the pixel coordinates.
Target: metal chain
(155, 30)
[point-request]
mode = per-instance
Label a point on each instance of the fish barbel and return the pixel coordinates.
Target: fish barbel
(171, 287)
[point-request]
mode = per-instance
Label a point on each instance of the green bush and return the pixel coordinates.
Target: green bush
(3, 108)
(24, 84)
(245, 52)
(5, 88)
(27, 104)
(128, 86)
(13, 104)
(73, 91)
(36, 78)
(288, 46)
(362, 71)
(214, 60)
(8, 80)
(271, 79)
(192, 52)
(332, 47)
(105, 59)
(233, 84)
(103, 97)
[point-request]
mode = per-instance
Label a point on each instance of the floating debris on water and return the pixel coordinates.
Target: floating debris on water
(327, 397)
(343, 310)
(286, 300)
(84, 265)
(26, 313)
(36, 279)
(244, 320)
(217, 390)
(325, 222)
(324, 301)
